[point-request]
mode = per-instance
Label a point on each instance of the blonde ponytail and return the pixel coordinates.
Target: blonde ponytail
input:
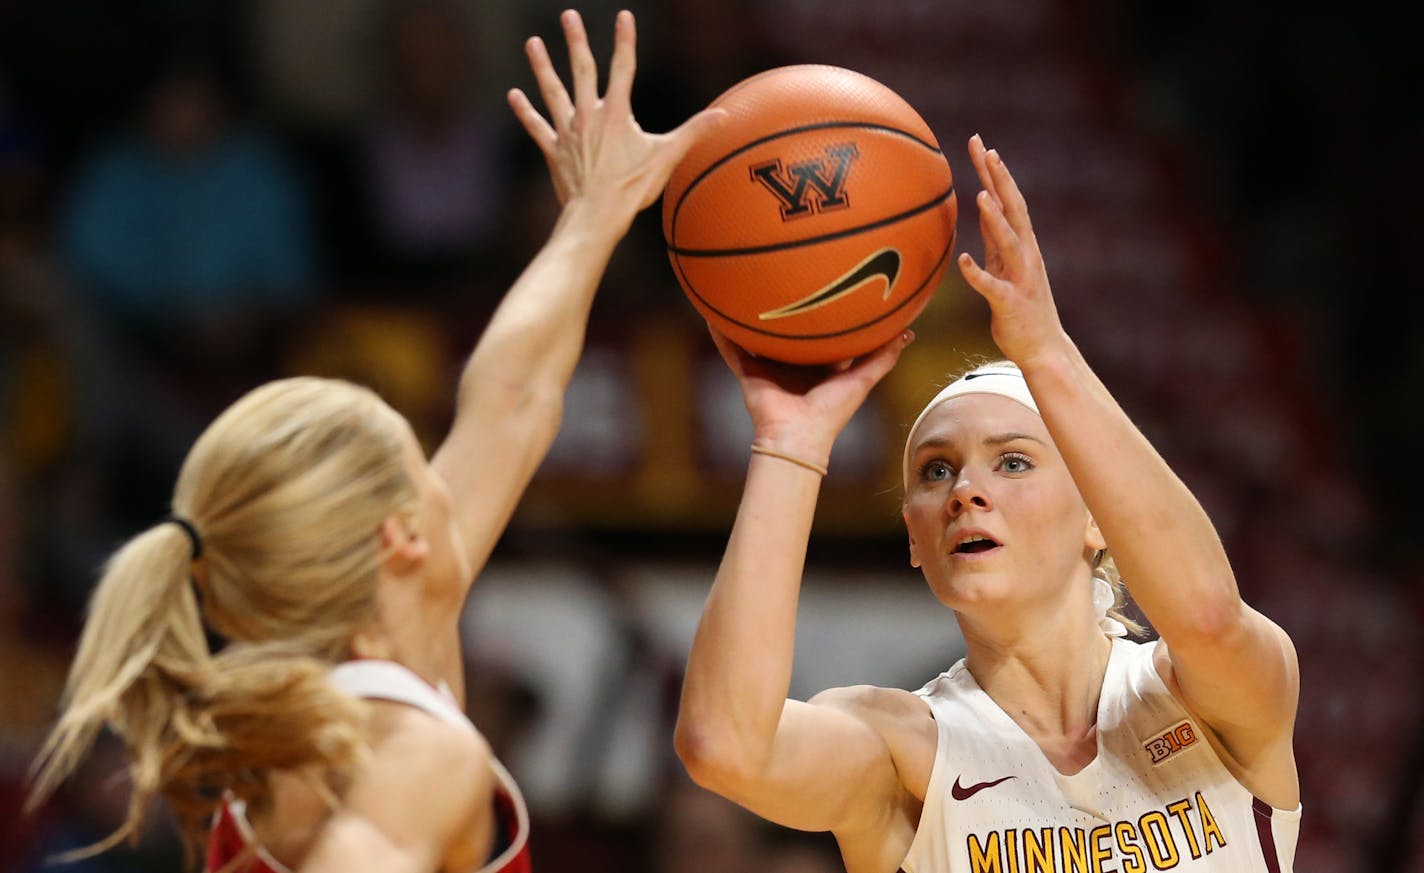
(129, 621)
(287, 490)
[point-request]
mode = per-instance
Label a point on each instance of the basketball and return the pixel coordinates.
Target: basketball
(817, 221)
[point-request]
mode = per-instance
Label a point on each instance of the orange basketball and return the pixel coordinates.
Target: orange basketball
(815, 224)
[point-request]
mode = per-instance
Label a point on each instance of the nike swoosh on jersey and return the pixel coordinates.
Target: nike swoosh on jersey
(885, 262)
(961, 792)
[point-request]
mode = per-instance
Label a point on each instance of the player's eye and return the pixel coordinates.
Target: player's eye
(1015, 462)
(935, 471)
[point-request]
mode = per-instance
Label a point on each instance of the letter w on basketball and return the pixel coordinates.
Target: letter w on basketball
(884, 263)
(826, 177)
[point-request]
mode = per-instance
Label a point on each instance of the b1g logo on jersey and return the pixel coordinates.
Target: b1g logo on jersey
(825, 177)
(1173, 741)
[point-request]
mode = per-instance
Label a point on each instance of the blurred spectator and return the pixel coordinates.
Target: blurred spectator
(433, 160)
(188, 240)
(190, 229)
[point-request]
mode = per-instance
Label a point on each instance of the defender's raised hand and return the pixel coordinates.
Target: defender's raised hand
(593, 145)
(605, 168)
(1024, 319)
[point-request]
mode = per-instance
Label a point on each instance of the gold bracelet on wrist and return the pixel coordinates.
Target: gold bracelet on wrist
(771, 453)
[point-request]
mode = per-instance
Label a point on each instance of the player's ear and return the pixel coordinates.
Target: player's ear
(403, 549)
(914, 556)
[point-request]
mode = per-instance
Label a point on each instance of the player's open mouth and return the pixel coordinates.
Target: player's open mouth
(976, 544)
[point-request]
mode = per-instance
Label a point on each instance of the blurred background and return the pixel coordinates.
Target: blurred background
(198, 196)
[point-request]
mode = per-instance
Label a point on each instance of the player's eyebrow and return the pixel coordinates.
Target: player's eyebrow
(1000, 439)
(992, 440)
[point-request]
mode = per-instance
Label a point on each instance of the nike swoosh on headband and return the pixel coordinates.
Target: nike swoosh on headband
(885, 262)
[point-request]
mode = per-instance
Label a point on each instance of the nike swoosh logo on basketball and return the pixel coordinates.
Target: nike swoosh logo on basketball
(960, 792)
(885, 262)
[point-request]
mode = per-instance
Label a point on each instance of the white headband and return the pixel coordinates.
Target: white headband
(1003, 381)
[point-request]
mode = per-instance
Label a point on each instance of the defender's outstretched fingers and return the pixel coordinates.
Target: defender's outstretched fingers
(625, 60)
(685, 135)
(534, 124)
(551, 88)
(581, 62)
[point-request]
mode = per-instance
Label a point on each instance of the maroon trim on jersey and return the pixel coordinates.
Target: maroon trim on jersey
(1264, 833)
(226, 843)
(507, 820)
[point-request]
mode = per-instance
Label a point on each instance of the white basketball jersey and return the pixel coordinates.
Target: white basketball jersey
(387, 680)
(232, 835)
(1157, 797)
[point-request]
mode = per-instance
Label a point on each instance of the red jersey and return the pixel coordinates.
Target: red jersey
(232, 835)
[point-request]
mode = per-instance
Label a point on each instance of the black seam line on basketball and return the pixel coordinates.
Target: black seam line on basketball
(810, 241)
(790, 131)
(943, 257)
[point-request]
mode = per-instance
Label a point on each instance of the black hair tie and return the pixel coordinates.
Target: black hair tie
(193, 538)
(216, 641)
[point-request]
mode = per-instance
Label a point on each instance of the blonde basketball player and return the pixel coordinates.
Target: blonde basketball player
(1056, 744)
(309, 530)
